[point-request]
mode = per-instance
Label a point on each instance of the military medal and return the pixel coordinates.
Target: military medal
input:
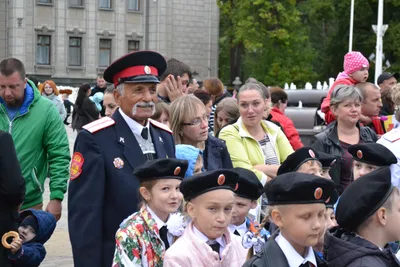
(118, 163)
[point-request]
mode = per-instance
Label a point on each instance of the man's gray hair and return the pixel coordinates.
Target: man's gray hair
(120, 88)
(345, 92)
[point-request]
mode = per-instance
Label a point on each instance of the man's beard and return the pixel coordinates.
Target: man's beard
(14, 103)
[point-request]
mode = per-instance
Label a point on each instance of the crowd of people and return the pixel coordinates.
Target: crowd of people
(169, 172)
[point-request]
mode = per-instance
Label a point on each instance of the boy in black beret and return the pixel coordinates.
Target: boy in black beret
(297, 206)
(369, 157)
(327, 161)
(207, 240)
(250, 189)
(368, 215)
(304, 160)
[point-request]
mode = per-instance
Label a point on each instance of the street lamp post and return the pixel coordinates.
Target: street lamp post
(351, 26)
(380, 30)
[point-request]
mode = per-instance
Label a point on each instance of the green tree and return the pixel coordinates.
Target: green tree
(275, 44)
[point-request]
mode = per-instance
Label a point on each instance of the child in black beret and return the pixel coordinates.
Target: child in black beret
(207, 240)
(297, 206)
(304, 160)
(327, 161)
(368, 157)
(368, 215)
(144, 236)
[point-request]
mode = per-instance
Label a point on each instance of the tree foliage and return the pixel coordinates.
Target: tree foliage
(278, 41)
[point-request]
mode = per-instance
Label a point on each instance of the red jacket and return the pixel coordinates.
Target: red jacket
(288, 128)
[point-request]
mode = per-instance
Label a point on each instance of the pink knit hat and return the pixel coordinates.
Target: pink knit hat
(354, 61)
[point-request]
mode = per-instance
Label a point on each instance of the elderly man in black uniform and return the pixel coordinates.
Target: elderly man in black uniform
(103, 190)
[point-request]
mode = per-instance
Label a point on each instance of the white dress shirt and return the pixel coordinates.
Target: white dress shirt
(160, 224)
(147, 146)
(203, 238)
(293, 257)
(242, 229)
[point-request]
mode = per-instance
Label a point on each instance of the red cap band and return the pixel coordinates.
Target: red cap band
(134, 71)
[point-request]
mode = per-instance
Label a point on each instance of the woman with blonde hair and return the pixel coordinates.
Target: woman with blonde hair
(227, 112)
(254, 143)
(189, 124)
(391, 139)
(49, 90)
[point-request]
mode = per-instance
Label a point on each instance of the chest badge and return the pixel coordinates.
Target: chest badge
(118, 163)
(122, 140)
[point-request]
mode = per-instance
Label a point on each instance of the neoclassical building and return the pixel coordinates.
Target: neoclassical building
(72, 41)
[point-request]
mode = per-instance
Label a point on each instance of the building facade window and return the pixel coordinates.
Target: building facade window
(104, 52)
(43, 49)
(133, 5)
(44, 1)
(76, 3)
(75, 51)
(133, 46)
(105, 4)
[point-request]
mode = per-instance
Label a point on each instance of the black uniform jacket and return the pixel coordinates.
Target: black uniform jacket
(272, 256)
(102, 189)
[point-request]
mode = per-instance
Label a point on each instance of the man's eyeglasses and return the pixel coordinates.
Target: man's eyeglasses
(197, 121)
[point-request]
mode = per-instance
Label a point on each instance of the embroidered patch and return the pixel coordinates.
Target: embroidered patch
(359, 154)
(177, 170)
(221, 179)
(118, 163)
(312, 154)
(76, 165)
(318, 193)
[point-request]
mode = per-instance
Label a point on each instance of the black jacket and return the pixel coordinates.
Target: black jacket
(216, 155)
(343, 249)
(12, 190)
(84, 114)
(328, 141)
(272, 256)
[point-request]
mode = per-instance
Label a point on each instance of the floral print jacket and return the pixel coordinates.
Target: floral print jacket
(138, 242)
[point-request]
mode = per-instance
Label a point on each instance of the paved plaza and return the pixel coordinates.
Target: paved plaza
(59, 253)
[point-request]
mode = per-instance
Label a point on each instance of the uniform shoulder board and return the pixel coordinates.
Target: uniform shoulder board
(99, 124)
(160, 125)
(393, 135)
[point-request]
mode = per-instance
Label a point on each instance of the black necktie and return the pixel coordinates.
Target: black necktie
(236, 232)
(163, 235)
(145, 133)
(307, 264)
(215, 247)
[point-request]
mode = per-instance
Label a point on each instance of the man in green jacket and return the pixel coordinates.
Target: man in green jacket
(39, 136)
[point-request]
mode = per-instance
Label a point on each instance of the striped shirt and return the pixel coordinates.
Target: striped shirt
(268, 151)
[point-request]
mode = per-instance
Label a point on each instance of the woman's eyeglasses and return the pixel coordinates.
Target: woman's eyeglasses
(197, 121)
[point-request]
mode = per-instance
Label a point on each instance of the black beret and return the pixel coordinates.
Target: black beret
(363, 197)
(326, 160)
(332, 200)
(168, 168)
(208, 181)
(298, 188)
(249, 185)
(372, 153)
(298, 157)
(136, 67)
